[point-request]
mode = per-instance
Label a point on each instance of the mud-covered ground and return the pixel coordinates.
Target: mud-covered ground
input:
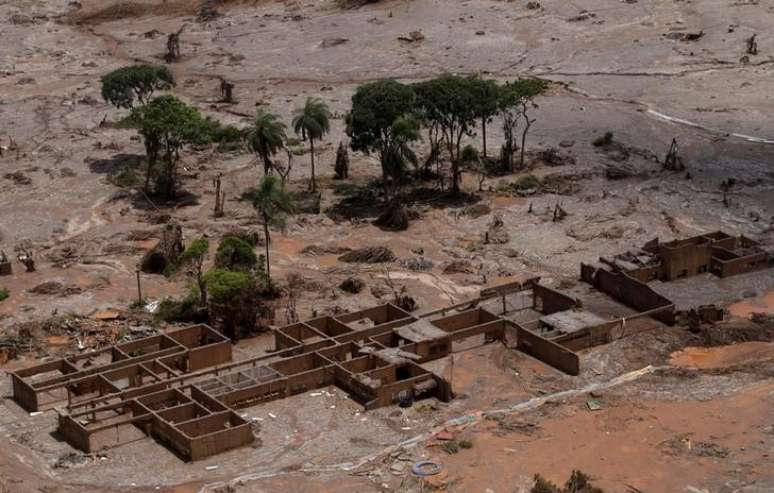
(616, 68)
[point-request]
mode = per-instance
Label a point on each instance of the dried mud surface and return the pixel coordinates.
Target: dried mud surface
(616, 70)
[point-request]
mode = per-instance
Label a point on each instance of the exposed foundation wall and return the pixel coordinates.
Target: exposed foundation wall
(547, 351)
(629, 291)
(75, 434)
(221, 441)
(736, 266)
(550, 301)
(211, 355)
(685, 260)
(24, 394)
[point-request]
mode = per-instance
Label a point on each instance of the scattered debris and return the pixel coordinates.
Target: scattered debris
(330, 42)
(685, 36)
(412, 37)
(18, 178)
(417, 264)
(369, 255)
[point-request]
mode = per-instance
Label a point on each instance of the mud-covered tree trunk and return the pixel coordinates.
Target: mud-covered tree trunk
(314, 181)
(483, 135)
(268, 240)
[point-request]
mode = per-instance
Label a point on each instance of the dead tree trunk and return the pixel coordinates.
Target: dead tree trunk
(342, 163)
(173, 46)
(752, 45)
(226, 91)
(220, 197)
(673, 161)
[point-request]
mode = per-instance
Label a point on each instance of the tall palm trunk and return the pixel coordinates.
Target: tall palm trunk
(314, 182)
(268, 239)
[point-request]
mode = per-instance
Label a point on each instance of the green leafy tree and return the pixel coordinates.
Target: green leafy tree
(122, 86)
(370, 123)
(399, 154)
(193, 258)
(310, 123)
(266, 138)
(485, 96)
(167, 124)
(514, 102)
(235, 254)
(449, 102)
(273, 204)
(397, 158)
(233, 300)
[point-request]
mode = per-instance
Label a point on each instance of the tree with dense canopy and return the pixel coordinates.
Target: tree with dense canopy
(122, 86)
(485, 96)
(266, 138)
(234, 253)
(233, 299)
(310, 123)
(370, 123)
(273, 204)
(449, 101)
(167, 124)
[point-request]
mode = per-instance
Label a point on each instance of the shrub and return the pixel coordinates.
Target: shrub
(235, 254)
(224, 284)
(469, 154)
(125, 178)
(4, 294)
(579, 482)
(183, 310)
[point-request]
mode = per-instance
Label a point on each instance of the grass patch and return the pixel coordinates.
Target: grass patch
(4, 294)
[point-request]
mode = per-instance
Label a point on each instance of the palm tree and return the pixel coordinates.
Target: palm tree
(312, 122)
(273, 203)
(266, 138)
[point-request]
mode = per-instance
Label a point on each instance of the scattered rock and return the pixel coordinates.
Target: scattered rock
(685, 37)
(460, 266)
(330, 42)
(412, 37)
(369, 255)
(418, 264)
(583, 16)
